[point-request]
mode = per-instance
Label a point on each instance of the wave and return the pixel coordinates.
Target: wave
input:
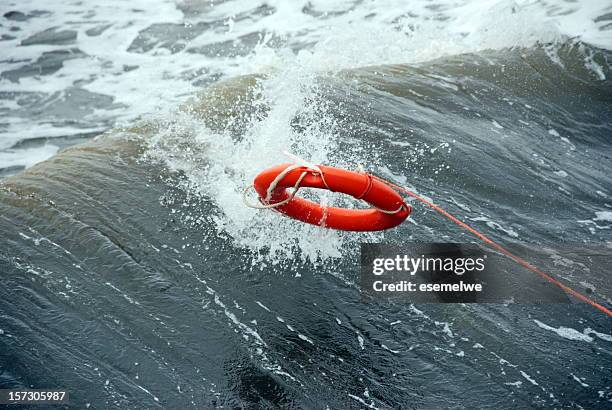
(78, 68)
(133, 274)
(415, 123)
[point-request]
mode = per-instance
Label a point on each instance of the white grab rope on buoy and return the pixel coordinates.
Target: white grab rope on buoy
(315, 168)
(299, 163)
(272, 187)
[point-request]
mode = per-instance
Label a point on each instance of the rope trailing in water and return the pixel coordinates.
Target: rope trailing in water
(314, 169)
(497, 246)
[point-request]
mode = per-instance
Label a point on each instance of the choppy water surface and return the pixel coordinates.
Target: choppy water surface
(70, 70)
(133, 274)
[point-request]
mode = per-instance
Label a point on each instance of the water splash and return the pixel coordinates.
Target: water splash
(289, 114)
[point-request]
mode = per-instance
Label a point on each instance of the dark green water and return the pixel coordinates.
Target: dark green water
(130, 281)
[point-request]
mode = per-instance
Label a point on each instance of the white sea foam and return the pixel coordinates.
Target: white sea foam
(603, 216)
(528, 378)
(155, 76)
(346, 34)
(573, 334)
(26, 157)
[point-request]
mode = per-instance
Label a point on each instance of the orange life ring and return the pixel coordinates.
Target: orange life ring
(390, 209)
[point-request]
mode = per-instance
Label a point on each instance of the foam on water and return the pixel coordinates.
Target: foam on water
(27, 157)
(352, 41)
(573, 334)
(148, 57)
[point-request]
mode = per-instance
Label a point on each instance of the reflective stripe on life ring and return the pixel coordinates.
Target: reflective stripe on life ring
(359, 185)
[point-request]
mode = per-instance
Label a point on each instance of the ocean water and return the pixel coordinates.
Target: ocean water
(133, 274)
(70, 70)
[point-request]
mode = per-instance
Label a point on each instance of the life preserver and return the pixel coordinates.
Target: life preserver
(390, 209)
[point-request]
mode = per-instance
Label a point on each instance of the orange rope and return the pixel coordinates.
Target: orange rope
(500, 248)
